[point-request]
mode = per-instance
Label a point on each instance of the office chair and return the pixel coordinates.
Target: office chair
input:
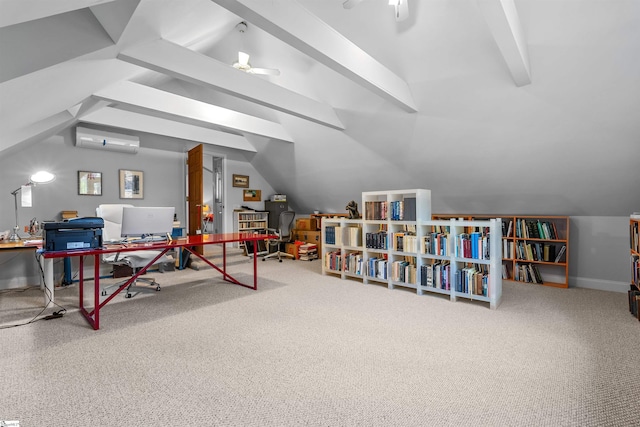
(112, 216)
(285, 224)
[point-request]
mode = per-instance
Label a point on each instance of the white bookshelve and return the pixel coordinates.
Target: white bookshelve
(387, 248)
(249, 221)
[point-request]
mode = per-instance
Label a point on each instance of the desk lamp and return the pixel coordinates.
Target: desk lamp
(41, 177)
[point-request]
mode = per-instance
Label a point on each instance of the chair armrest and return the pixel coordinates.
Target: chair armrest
(273, 231)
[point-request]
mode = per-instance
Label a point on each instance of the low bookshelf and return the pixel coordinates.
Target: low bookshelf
(634, 243)
(397, 245)
(535, 248)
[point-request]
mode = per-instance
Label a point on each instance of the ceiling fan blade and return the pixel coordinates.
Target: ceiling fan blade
(243, 58)
(348, 4)
(265, 71)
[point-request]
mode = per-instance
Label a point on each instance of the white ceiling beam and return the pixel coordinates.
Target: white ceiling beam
(144, 123)
(176, 107)
(298, 27)
(184, 64)
(503, 21)
(36, 132)
(16, 11)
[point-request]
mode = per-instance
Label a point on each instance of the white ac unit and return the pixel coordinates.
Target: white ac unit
(108, 141)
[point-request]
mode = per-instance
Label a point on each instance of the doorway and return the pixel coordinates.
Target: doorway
(218, 199)
(213, 186)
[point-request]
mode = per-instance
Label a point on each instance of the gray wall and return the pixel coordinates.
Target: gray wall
(164, 185)
(163, 179)
(598, 252)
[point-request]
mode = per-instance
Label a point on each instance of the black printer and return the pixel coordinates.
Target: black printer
(76, 233)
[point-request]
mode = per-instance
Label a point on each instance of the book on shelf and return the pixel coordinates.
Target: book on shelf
(505, 271)
(353, 263)
(409, 208)
(376, 240)
(634, 301)
(563, 249)
(635, 269)
(355, 236)
(470, 280)
(377, 268)
(527, 273)
(402, 271)
(333, 260)
(436, 275)
(333, 235)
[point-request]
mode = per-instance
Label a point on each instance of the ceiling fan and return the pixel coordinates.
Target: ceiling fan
(243, 64)
(401, 7)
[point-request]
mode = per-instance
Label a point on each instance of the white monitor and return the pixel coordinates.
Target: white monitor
(147, 221)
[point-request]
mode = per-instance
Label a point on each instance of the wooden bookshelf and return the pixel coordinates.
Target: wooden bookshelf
(634, 248)
(531, 247)
(388, 247)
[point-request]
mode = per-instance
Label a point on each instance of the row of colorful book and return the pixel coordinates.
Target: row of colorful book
(473, 245)
(535, 229)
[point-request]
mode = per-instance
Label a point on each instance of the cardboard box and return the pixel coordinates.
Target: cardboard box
(310, 224)
(308, 237)
(122, 271)
(292, 248)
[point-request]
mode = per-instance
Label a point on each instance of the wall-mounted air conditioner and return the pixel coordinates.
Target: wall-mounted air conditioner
(108, 141)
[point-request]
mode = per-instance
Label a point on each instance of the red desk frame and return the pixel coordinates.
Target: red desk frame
(188, 243)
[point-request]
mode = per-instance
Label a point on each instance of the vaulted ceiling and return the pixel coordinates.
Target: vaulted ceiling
(542, 94)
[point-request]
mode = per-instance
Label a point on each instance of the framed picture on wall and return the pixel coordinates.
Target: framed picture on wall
(252, 195)
(89, 183)
(131, 184)
(241, 181)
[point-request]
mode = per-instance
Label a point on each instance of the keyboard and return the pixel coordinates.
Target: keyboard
(149, 239)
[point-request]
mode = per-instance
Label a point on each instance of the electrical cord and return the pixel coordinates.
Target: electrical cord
(49, 295)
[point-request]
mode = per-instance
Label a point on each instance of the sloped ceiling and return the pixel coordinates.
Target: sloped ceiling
(513, 106)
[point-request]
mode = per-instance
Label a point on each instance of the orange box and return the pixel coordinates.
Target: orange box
(292, 248)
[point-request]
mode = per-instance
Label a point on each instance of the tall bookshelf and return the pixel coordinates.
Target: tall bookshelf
(250, 222)
(532, 247)
(394, 245)
(634, 248)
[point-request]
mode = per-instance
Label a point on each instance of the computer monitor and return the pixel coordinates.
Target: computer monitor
(147, 221)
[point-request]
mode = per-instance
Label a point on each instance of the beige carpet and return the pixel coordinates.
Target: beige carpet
(307, 349)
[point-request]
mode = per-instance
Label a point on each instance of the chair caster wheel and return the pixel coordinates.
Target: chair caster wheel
(279, 260)
(158, 289)
(103, 293)
(128, 296)
(263, 259)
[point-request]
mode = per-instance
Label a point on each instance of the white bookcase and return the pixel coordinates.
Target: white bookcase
(248, 222)
(387, 248)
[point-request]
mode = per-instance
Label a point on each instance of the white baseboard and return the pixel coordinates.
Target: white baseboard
(599, 284)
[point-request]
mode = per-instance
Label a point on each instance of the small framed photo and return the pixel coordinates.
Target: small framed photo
(241, 181)
(252, 195)
(131, 184)
(89, 183)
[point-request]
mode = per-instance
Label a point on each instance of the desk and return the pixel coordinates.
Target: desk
(188, 243)
(33, 244)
